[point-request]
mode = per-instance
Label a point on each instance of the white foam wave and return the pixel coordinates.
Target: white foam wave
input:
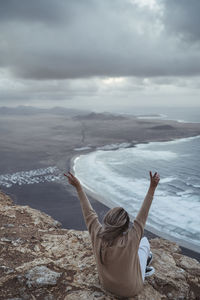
(49, 174)
(82, 148)
(176, 141)
(154, 155)
(158, 116)
(193, 185)
(184, 121)
(167, 179)
(185, 193)
(114, 146)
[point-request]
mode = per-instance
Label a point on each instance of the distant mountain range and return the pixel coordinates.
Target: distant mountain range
(99, 116)
(29, 110)
(77, 114)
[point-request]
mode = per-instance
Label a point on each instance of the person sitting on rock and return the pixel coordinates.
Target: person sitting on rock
(122, 255)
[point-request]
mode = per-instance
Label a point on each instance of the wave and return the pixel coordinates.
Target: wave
(193, 185)
(154, 154)
(83, 148)
(115, 146)
(176, 141)
(168, 179)
(151, 116)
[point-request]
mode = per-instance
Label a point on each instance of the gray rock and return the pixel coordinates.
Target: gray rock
(3, 239)
(41, 276)
(98, 294)
(6, 269)
(57, 224)
(9, 225)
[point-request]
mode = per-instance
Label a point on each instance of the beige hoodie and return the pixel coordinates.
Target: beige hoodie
(120, 274)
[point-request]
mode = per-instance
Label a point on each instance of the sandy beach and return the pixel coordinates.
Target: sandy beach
(55, 138)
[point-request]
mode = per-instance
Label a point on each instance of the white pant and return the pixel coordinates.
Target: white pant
(143, 253)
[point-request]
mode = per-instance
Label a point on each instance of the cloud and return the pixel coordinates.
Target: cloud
(98, 51)
(99, 91)
(182, 19)
(76, 39)
(45, 11)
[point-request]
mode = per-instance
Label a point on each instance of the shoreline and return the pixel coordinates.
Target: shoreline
(58, 138)
(186, 247)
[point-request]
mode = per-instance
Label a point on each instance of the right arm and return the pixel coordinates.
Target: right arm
(144, 210)
(90, 216)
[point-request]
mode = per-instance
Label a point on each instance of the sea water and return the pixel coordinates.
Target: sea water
(121, 178)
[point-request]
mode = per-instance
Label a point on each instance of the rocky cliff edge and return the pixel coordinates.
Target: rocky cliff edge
(40, 260)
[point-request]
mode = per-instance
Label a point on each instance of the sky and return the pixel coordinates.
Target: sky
(99, 54)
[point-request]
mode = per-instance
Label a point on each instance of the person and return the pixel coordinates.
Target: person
(122, 255)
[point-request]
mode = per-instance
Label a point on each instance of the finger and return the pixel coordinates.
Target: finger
(65, 174)
(150, 173)
(158, 178)
(155, 174)
(70, 180)
(71, 174)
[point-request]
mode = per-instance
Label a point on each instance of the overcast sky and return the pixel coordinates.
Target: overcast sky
(99, 53)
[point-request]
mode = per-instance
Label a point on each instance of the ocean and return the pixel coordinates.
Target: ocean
(121, 178)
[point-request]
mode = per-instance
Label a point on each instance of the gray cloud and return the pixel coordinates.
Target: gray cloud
(64, 51)
(100, 91)
(77, 39)
(182, 18)
(31, 11)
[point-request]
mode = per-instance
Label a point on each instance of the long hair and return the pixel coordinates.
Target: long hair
(115, 222)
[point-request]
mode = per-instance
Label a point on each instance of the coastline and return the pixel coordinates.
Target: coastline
(187, 248)
(60, 138)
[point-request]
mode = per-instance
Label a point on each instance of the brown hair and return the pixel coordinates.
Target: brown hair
(115, 222)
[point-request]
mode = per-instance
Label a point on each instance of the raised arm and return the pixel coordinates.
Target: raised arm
(144, 210)
(90, 216)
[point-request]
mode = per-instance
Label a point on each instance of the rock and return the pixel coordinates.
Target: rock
(69, 288)
(86, 295)
(6, 240)
(6, 269)
(9, 225)
(190, 265)
(40, 260)
(41, 276)
(37, 248)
